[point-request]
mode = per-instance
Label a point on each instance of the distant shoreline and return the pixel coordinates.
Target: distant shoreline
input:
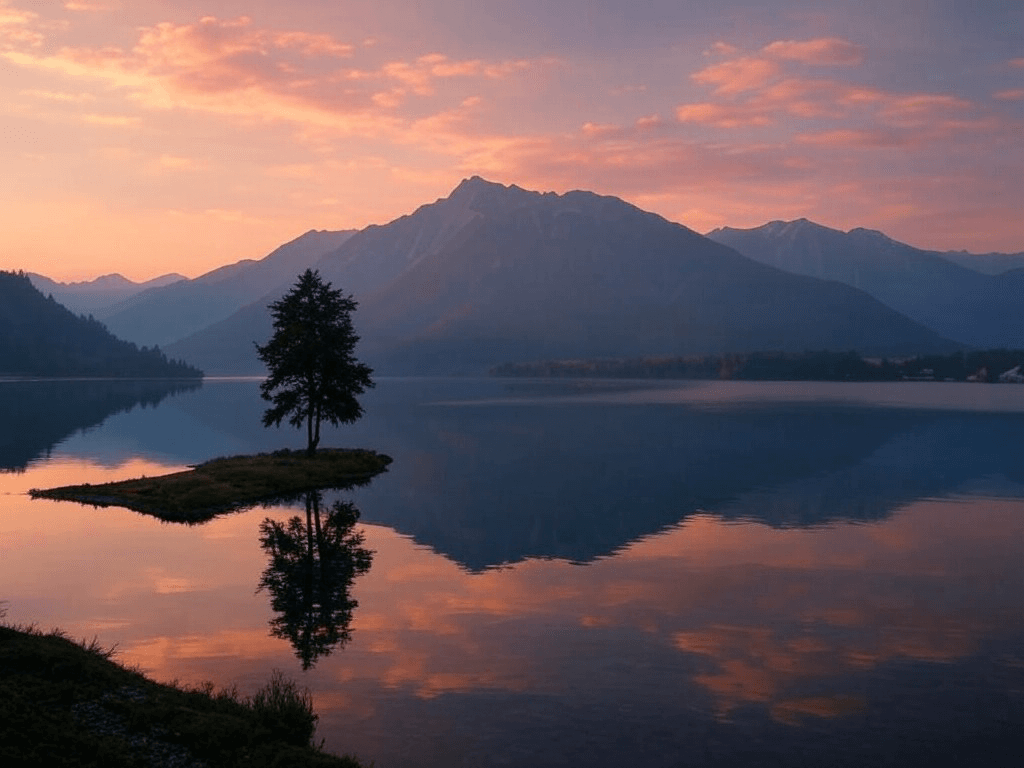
(985, 366)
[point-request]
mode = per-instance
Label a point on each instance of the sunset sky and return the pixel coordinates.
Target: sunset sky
(151, 136)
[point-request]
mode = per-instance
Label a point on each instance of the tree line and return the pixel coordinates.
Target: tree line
(975, 365)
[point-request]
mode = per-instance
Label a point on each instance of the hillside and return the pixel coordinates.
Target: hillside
(959, 303)
(494, 274)
(39, 337)
(165, 314)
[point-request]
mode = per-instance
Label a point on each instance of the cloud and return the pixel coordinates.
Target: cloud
(878, 138)
(749, 72)
(87, 5)
(1013, 94)
(173, 163)
(723, 115)
(721, 49)
(738, 75)
(60, 96)
(17, 27)
(234, 69)
(828, 51)
(768, 89)
(113, 120)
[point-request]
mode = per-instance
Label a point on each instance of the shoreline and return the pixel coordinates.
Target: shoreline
(228, 484)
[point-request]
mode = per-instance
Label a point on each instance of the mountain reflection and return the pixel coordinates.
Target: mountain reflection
(313, 563)
(37, 415)
(500, 483)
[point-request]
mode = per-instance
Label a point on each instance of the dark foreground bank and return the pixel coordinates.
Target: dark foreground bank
(64, 703)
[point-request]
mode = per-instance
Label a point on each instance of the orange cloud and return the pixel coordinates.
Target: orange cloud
(115, 120)
(87, 5)
(59, 96)
(16, 27)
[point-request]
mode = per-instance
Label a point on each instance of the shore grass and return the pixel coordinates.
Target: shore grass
(64, 704)
(229, 484)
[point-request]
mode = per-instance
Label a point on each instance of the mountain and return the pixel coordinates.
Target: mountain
(956, 302)
(39, 337)
(988, 263)
(493, 274)
(94, 296)
(164, 314)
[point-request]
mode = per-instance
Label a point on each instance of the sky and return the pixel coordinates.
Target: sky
(153, 136)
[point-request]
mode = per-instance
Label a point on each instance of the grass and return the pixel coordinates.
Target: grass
(67, 704)
(229, 484)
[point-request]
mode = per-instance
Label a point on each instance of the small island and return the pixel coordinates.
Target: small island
(229, 484)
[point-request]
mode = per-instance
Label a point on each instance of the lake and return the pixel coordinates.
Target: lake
(571, 573)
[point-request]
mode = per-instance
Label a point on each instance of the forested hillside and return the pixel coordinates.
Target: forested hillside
(39, 337)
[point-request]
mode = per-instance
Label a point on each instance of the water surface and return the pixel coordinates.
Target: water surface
(580, 573)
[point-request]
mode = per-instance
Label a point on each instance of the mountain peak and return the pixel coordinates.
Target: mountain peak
(872, 234)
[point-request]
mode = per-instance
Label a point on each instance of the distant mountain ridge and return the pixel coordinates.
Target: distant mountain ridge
(495, 274)
(93, 296)
(987, 263)
(162, 315)
(959, 303)
(39, 337)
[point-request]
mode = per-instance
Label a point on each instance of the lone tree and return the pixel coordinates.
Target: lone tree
(314, 374)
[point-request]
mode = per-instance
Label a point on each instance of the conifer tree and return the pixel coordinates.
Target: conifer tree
(313, 373)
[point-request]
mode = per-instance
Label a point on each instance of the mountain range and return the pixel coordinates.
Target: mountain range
(95, 296)
(497, 273)
(980, 310)
(493, 274)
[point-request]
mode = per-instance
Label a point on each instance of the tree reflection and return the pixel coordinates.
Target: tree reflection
(313, 563)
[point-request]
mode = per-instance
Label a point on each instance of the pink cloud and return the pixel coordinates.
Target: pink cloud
(828, 51)
(879, 138)
(16, 26)
(918, 106)
(723, 115)
(738, 75)
(233, 68)
(87, 5)
(604, 130)
(1014, 94)
(722, 49)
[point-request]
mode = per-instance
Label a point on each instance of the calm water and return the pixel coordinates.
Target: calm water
(571, 573)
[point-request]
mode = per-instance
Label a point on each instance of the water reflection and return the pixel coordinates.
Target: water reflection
(491, 485)
(39, 414)
(848, 595)
(495, 472)
(313, 563)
